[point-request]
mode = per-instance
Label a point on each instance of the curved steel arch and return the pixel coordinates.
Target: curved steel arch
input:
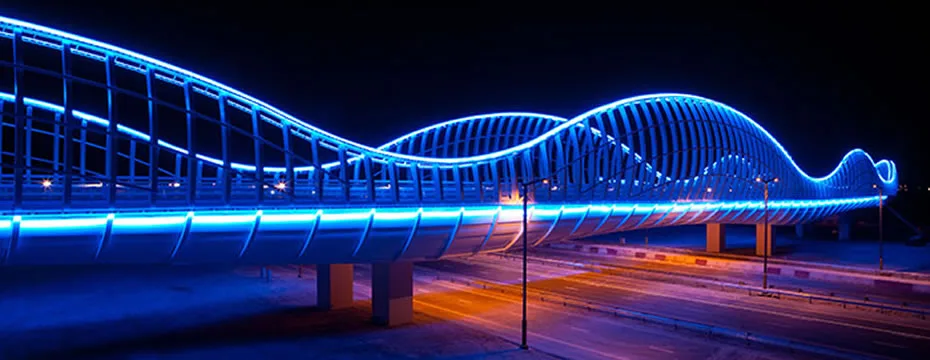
(92, 128)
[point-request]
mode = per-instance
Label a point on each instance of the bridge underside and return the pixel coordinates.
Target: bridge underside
(356, 234)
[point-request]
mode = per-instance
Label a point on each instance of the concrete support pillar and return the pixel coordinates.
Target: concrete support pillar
(760, 240)
(392, 293)
(334, 286)
(716, 238)
(844, 226)
(799, 230)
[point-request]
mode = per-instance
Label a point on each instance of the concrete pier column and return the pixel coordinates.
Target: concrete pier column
(843, 226)
(716, 238)
(392, 293)
(334, 286)
(799, 230)
(760, 240)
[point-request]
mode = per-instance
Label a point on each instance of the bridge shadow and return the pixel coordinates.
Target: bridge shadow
(281, 321)
(280, 325)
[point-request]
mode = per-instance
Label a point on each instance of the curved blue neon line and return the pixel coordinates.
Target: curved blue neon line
(222, 88)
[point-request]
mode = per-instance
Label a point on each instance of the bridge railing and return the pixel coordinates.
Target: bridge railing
(111, 128)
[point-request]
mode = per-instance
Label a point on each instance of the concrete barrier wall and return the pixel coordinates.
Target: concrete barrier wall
(775, 268)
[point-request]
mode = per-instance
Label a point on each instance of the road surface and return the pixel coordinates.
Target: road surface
(842, 290)
(869, 334)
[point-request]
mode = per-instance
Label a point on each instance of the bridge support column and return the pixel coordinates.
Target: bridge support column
(392, 293)
(760, 240)
(334, 286)
(716, 238)
(843, 227)
(799, 230)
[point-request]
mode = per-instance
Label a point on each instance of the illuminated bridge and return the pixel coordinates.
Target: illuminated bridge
(109, 156)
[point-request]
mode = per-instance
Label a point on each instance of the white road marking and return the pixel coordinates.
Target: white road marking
(580, 329)
(890, 344)
(571, 288)
(656, 348)
(463, 301)
(490, 324)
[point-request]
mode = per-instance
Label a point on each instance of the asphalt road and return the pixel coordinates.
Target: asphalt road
(565, 333)
(837, 289)
(869, 334)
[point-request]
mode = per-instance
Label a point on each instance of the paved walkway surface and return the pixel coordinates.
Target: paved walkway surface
(741, 240)
(209, 313)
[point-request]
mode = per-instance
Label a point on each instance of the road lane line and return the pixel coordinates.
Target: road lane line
(506, 327)
(580, 329)
(745, 308)
(890, 344)
(656, 348)
(514, 299)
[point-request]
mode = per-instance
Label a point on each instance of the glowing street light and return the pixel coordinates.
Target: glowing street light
(281, 186)
(46, 183)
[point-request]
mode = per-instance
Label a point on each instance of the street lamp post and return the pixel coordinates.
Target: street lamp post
(881, 237)
(525, 186)
(523, 344)
(765, 229)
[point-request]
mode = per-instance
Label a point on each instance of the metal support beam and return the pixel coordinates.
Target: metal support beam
(191, 149)
(153, 134)
(289, 182)
(225, 134)
(19, 114)
(112, 156)
(259, 164)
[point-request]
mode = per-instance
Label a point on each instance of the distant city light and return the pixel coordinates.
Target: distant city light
(281, 185)
(46, 183)
(710, 190)
(175, 184)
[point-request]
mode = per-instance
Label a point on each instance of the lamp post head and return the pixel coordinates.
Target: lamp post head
(758, 179)
(775, 180)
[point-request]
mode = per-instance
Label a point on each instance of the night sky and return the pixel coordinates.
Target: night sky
(822, 83)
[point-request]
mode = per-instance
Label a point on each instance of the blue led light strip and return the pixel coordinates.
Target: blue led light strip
(247, 232)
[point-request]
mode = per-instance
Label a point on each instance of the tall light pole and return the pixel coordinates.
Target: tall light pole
(881, 237)
(526, 197)
(765, 229)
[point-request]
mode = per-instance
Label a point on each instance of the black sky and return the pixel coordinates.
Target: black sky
(821, 80)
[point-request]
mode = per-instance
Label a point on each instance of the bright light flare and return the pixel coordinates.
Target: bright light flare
(46, 183)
